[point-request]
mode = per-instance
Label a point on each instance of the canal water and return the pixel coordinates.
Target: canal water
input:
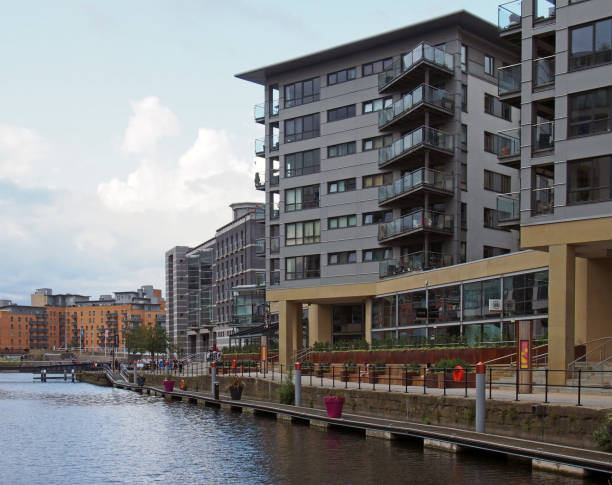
(65, 433)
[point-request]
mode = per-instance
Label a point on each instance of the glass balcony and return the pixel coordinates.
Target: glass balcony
(260, 147)
(274, 107)
(423, 136)
(421, 53)
(274, 176)
(424, 94)
(509, 79)
(509, 143)
(259, 113)
(544, 72)
(274, 212)
(544, 10)
(421, 178)
(413, 262)
(543, 136)
(275, 244)
(509, 15)
(274, 139)
(543, 201)
(260, 212)
(416, 221)
(259, 182)
(508, 207)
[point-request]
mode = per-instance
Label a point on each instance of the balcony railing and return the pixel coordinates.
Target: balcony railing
(509, 15)
(274, 212)
(274, 176)
(424, 135)
(274, 139)
(508, 207)
(260, 246)
(544, 72)
(543, 201)
(421, 53)
(260, 147)
(416, 221)
(423, 177)
(423, 94)
(275, 244)
(509, 79)
(259, 183)
(544, 10)
(509, 143)
(543, 136)
(259, 113)
(274, 105)
(413, 262)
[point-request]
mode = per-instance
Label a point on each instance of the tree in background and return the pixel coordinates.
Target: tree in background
(134, 339)
(155, 340)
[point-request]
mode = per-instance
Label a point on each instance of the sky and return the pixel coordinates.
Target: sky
(124, 133)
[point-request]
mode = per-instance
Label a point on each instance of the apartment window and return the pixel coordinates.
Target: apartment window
(490, 219)
(589, 180)
(463, 216)
(590, 112)
(341, 76)
(308, 232)
(377, 217)
(591, 45)
(377, 180)
(377, 254)
(489, 65)
(302, 198)
(302, 128)
(302, 163)
(377, 142)
(463, 181)
(341, 113)
(495, 107)
(464, 56)
(496, 182)
(464, 98)
(464, 140)
(345, 185)
(377, 104)
(490, 251)
(302, 92)
(345, 257)
(490, 142)
(341, 222)
(377, 66)
(342, 149)
(302, 267)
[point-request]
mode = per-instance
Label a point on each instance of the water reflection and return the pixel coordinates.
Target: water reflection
(78, 433)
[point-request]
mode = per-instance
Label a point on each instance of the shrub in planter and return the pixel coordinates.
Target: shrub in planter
(322, 369)
(286, 391)
(376, 370)
(348, 368)
(307, 368)
(235, 388)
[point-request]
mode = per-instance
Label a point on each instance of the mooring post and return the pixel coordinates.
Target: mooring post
(72, 375)
(298, 384)
(480, 397)
(213, 373)
(65, 375)
(43, 375)
(135, 369)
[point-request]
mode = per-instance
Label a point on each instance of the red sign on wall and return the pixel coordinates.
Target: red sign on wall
(524, 347)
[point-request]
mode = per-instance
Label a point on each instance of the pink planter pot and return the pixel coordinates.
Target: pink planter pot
(169, 386)
(334, 406)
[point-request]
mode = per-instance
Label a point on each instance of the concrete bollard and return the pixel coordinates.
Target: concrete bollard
(135, 369)
(480, 397)
(213, 373)
(298, 384)
(73, 376)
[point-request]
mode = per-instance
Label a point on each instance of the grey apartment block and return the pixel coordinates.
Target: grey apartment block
(563, 86)
(177, 296)
(382, 155)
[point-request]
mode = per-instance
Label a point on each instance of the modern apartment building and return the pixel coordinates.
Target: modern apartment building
(393, 160)
(177, 295)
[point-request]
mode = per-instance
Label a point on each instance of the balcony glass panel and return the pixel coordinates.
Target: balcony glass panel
(274, 107)
(544, 71)
(275, 244)
(413, 262)
(509, 15)
(424, 135)
(544, 10)
(508, 207)
(410, 181)
(543, 201)
(509, 79)
(274, 139)
(259, 112)
(260, 246)
(543, 136)
(509, 143)
(274, 176)
(260, 146)
(419, 219)
(422, 94)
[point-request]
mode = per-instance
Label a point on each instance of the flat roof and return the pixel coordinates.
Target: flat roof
(462, 18)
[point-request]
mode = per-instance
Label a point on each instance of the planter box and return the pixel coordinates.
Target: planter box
(333, 405)
(409, 378)
(168, 386)
(235, 392)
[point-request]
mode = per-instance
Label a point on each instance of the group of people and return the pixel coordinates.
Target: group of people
(170, 364)
(213, 354)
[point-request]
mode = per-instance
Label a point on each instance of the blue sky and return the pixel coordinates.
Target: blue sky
(123, 131)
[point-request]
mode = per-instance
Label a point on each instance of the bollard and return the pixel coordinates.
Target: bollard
(480, 397)
(73, 379)
(298, 384)
(65, 375)
(213, 371)
(135, 369)
(216, 391)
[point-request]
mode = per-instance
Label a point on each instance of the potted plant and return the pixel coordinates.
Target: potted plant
(376, 369)
(235, 388)
(168, 385)
(333, 405)
(322, 369)
(409, 372)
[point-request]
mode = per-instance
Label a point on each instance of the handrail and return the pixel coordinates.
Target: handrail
(572, 365)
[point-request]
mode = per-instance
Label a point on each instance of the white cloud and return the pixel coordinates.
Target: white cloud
(95, 241)
(148, 124)
(18, 148)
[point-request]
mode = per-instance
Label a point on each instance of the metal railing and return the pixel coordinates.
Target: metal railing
(260, 147)
(415, 221)
(413, 262)
(424, 135)
(508, 207)
(544, 10)
(543, 201)
(259, 112)
(423, 94)
(422, 177)
(509, 143)
(421, 53)
(543, 136)
(509, 15)
(509, 79)
(543, 71)
(601, 349)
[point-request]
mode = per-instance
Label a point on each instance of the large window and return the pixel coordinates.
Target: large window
(308, 232)
(526, 294)
(345, 185)
(383, 312)
(591, 45)
(491, 251)
(344, 257)
(341, 113)
(589, 180)
(377, 180)
(340, 222)
(496, 182)
(377, 66)
(302, 92)
(590, 112)
(489, 65)
(377, 254)
(377, 142)
(495, 107)
(377, 104)
(476, 297)
(341, 76)
(302, 267)
(341, 149)
(302, 198)
(490, 142)
(377, 217)
(302, 128)
(302, 163)
(444, 304)
(412, 308)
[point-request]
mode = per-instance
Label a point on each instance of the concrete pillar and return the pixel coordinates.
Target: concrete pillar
(289, 316)
(581, 301)
(561, 305)
(599, 307)
(319, 324)
(368, 320)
